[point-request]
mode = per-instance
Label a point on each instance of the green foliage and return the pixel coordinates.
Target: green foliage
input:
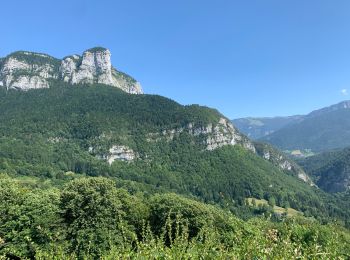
(96, 49)
(89, 219)
(28, 219)
(272, 201)
(121, 75)
(197, 215)
(34, 58)
(47, 133)
(277, 157)
(93, 214)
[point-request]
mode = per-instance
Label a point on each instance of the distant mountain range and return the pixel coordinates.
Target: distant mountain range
(258, 127)
(321, 130)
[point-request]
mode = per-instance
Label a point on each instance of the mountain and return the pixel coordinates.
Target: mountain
(147, 143)
(257, 127)
(149, 140)
(113, 126)
(330, 170)
(345, 105)
(92, 171)
(321, 130)
(27, 70)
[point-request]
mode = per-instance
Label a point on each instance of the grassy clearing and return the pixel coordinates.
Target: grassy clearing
(279, 210)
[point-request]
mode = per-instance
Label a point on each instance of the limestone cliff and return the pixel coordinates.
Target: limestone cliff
(120, 153)
(278, 159)
(211, 136)
(28, 70)
(214, 136)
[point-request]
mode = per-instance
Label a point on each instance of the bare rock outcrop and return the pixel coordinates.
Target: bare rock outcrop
(28, 70)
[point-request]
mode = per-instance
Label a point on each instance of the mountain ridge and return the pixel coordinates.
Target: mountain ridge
(345, 104)
(320, 130)
(257, 127)
(25, 70)
(151, 140)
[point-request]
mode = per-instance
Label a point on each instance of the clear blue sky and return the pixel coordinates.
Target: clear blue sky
(245, 58)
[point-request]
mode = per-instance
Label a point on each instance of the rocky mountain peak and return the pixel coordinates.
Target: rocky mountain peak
(27, 70)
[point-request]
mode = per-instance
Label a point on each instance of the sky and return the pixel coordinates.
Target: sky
(242, 57)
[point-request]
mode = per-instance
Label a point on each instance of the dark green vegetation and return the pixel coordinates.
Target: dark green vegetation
(330, 170)
(96, 49)
(278, 158)
(321, 130)
(122, 75)
(34, 58)
(257, 127)
(89, 218)
(47, 133)
(49, 137)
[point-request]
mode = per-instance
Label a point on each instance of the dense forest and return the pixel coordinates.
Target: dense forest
(60, 196)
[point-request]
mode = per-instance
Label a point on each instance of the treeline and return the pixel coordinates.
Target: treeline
(90, 218)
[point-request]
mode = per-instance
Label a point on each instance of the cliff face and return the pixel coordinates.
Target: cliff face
(211, 136)
(278, 159)
(28, 70)
(214, 136)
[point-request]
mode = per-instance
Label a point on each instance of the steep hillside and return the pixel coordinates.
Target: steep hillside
(321, 130)
(257, 127)
(330, 170)
(280, 160)
(151, 141)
